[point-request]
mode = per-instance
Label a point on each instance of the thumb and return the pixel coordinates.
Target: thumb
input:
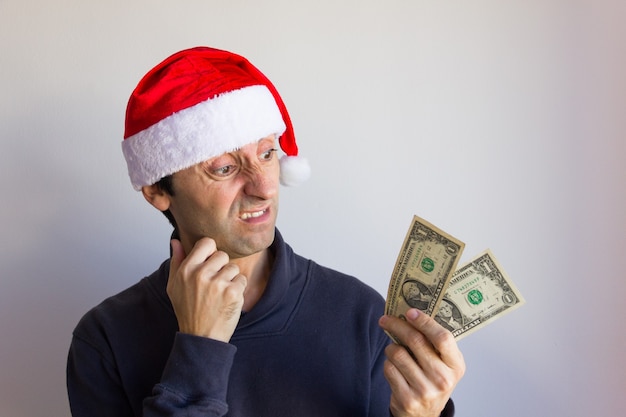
(178, 254)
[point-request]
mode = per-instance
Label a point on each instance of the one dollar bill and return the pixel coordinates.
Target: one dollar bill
(426, 262)
(479, 292)
(462, 300)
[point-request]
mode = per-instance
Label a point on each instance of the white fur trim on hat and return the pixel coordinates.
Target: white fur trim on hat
(294, 170)
(210, 128)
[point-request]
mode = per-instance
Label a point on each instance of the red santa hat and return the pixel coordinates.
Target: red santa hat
(200, 103)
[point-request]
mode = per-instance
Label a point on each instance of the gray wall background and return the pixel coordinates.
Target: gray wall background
(502, 122)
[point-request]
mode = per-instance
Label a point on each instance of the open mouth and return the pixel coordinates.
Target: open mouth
(252, 215)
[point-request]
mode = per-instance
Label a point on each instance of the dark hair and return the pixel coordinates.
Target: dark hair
(167, 185)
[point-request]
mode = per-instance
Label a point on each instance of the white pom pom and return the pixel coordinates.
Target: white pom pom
(294, 170)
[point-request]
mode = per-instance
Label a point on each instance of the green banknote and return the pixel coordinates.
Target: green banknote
(479, 292)
(426, 262)
(462, 300)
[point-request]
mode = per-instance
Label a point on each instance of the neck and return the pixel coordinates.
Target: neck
(256, 268)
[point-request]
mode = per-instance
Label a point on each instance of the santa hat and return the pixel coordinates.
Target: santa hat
(200, 103)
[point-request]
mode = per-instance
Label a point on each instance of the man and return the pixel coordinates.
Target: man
(415, 296)
(235, 323)
(445, 316)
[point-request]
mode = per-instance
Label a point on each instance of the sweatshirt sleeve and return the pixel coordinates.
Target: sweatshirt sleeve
(93, 384)
(193, 383)
(448, 410)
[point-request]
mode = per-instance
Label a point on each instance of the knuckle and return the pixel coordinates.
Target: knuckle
(220, 257)
(397, 353)
(443, 337)
(431, 399)
(232, 268)
(213, 290)
(240, 282)
(233, 293)
(183, 270)
(416, 339)
(228, 272)
(443, 383)
(411, 406)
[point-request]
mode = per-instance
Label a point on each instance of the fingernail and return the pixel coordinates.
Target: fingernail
(412, 314)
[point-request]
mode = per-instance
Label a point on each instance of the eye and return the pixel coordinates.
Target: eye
(221, 168)
(267, 155)
(224, 171)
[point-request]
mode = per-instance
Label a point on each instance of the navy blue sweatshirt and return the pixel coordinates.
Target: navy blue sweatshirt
(311, 346)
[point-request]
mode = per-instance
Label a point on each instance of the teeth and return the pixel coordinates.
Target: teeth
(252, 215)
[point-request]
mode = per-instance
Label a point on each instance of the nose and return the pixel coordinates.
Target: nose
(261, 181)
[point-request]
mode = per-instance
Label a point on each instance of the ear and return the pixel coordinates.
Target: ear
(156, 196)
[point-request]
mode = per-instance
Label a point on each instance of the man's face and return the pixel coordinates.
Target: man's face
(445, 310)
(232, 198)
(412, 292)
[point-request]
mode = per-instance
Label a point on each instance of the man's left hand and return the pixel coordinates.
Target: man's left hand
(424, 368)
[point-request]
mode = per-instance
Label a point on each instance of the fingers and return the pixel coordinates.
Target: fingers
(241, 280)
(441, 339)
(425, 365)
(438, 337)
(430, 341)
(202, 249)
(232, 295)
(395, 372)
(204, 260)
(411, 399)
(416, 342)
(206, 290)
(199, 253)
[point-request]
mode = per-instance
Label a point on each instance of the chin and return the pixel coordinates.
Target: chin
(254, 245)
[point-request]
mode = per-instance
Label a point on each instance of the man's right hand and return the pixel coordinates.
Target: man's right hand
(206, 290)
